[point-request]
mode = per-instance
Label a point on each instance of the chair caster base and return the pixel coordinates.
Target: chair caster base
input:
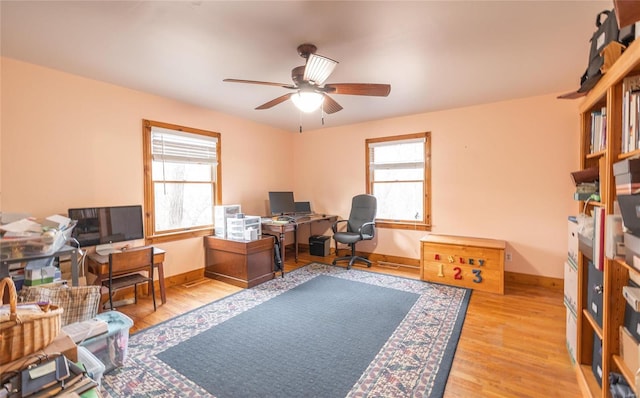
(352, 260)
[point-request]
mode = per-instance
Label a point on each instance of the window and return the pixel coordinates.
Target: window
(399, 176)
(182, 180)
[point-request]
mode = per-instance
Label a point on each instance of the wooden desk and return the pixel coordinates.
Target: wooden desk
(281, 229)
(99, 265)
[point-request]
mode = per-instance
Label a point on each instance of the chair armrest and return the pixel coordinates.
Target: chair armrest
(334, 227)
(368, 225)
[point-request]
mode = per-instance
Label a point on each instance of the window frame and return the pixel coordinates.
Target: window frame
(425, 223)
(151, 235)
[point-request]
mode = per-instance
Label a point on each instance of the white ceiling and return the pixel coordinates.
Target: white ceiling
(435, 54)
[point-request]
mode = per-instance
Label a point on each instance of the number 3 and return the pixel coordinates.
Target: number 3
(478, 277)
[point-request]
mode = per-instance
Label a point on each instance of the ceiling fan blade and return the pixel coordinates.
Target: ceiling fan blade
(275, 101)
(378, 90)
(259, 82)
(330, 105)
(318, 69)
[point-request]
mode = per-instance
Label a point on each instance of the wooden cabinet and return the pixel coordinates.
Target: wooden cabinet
(474, 263)
(598, 345)
(240, 263)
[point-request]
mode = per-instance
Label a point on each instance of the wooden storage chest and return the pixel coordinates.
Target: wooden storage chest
(474, 263)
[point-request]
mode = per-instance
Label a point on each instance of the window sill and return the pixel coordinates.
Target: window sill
(403, 225)
(174, 236)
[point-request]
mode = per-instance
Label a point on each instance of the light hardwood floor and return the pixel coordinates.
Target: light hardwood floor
(511, 345)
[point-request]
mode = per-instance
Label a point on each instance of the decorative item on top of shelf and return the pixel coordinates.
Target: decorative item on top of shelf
(606, 32)
(604, 51)
(29, 237)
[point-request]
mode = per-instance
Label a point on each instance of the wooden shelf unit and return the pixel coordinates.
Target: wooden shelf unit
(607, 93)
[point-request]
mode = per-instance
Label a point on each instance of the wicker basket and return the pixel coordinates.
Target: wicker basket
(22, 335)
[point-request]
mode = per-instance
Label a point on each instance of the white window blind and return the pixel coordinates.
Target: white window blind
(175, 146)
(397, 155)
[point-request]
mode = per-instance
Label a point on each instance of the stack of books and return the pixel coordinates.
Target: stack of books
(587, 191)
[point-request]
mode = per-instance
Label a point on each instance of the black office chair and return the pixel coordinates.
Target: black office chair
(360, 226)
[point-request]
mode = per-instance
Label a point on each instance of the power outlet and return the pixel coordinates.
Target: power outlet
(507, 256)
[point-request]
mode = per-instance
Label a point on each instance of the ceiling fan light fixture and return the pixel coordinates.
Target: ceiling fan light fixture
(307, 101)
(318, 69)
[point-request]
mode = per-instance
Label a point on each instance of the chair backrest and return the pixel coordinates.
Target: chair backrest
(363, 210)
(131, 260)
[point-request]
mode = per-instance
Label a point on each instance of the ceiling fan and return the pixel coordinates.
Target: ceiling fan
(310, 92)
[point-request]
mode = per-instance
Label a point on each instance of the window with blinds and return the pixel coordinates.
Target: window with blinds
(181, 180)
(398, 176)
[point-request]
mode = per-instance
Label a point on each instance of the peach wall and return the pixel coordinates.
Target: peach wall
(74, 142)
(499, 171)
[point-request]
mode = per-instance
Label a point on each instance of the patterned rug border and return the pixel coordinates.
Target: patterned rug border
(409, 364)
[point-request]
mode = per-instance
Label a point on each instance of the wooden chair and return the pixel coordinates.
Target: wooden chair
(128, 268)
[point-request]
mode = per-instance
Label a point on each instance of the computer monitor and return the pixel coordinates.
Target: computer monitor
(281, 203)
(100, 225)
(303, 207)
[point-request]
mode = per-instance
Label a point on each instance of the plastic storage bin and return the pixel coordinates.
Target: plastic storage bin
(33, 246)
(237, 228)
(221, 214)
(111, 348)
(95, 369)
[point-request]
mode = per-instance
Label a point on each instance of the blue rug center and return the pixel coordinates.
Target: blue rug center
(314, 340)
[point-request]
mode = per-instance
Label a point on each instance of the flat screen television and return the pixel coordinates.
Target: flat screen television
(101, 225)
(281, 203)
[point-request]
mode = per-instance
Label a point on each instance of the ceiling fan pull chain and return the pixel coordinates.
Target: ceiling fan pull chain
(322, 112)
(300, 120)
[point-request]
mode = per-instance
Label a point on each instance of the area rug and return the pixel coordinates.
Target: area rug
(321, 331)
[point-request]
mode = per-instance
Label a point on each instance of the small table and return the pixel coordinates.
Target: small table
(99, 265)
(282, 228)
